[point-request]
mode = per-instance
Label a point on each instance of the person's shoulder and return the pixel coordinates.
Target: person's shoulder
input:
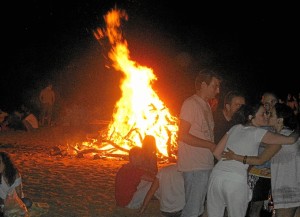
(124, 168)
(259, 131)
(236, 127)
(190, 98)
(194, 100)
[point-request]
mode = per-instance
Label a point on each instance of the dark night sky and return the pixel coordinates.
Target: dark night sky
(51, 40)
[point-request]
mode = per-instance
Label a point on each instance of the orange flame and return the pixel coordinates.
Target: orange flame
(139, 111)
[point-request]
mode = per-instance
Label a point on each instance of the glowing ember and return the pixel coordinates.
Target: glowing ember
(139, 111)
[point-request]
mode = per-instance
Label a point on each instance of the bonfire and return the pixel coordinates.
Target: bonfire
(139, 111)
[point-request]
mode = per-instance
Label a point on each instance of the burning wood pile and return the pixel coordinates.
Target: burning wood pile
(139, 111)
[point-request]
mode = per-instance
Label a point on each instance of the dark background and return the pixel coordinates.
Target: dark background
(253, 44)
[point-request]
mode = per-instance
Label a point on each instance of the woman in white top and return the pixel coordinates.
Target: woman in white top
(228, 181)
(11, 185)
(285, 165)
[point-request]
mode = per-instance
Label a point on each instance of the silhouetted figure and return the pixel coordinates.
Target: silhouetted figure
(47, 99)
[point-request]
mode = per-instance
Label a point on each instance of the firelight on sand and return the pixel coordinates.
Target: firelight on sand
(139, 111)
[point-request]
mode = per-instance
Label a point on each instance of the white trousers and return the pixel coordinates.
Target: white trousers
(140, 194)
(227, 189)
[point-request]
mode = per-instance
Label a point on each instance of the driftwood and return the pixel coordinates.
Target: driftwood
(116, 146)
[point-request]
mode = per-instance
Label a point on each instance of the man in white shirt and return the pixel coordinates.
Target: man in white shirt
(196, 142)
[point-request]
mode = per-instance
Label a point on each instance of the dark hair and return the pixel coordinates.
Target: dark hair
(134, 153)
(206, 75)
(288, 115)
(10, 170)
(230, 95)
(149, 144)
(241, 116)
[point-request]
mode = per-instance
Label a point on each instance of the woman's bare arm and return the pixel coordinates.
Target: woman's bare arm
(278, 139)
(266, 155)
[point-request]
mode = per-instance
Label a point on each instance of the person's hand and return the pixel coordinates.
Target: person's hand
(228, 154)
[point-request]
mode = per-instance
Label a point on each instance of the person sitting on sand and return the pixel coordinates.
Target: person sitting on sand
(168, 188)
(21, 119)
(132, 182)
(29, 120)
(11, 192)
(13, 122)
(149, 151)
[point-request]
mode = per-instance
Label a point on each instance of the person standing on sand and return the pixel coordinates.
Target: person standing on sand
(47, 99)
(196, 142)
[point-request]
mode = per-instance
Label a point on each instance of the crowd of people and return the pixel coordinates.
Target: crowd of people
(231, 158)
(217, 172)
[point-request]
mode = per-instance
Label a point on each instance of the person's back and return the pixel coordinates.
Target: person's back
(251, 137)
(168, 188)
(128, 177)
(149, 150)
(171, 189)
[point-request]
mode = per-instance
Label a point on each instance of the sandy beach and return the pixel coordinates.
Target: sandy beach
(63, 186)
